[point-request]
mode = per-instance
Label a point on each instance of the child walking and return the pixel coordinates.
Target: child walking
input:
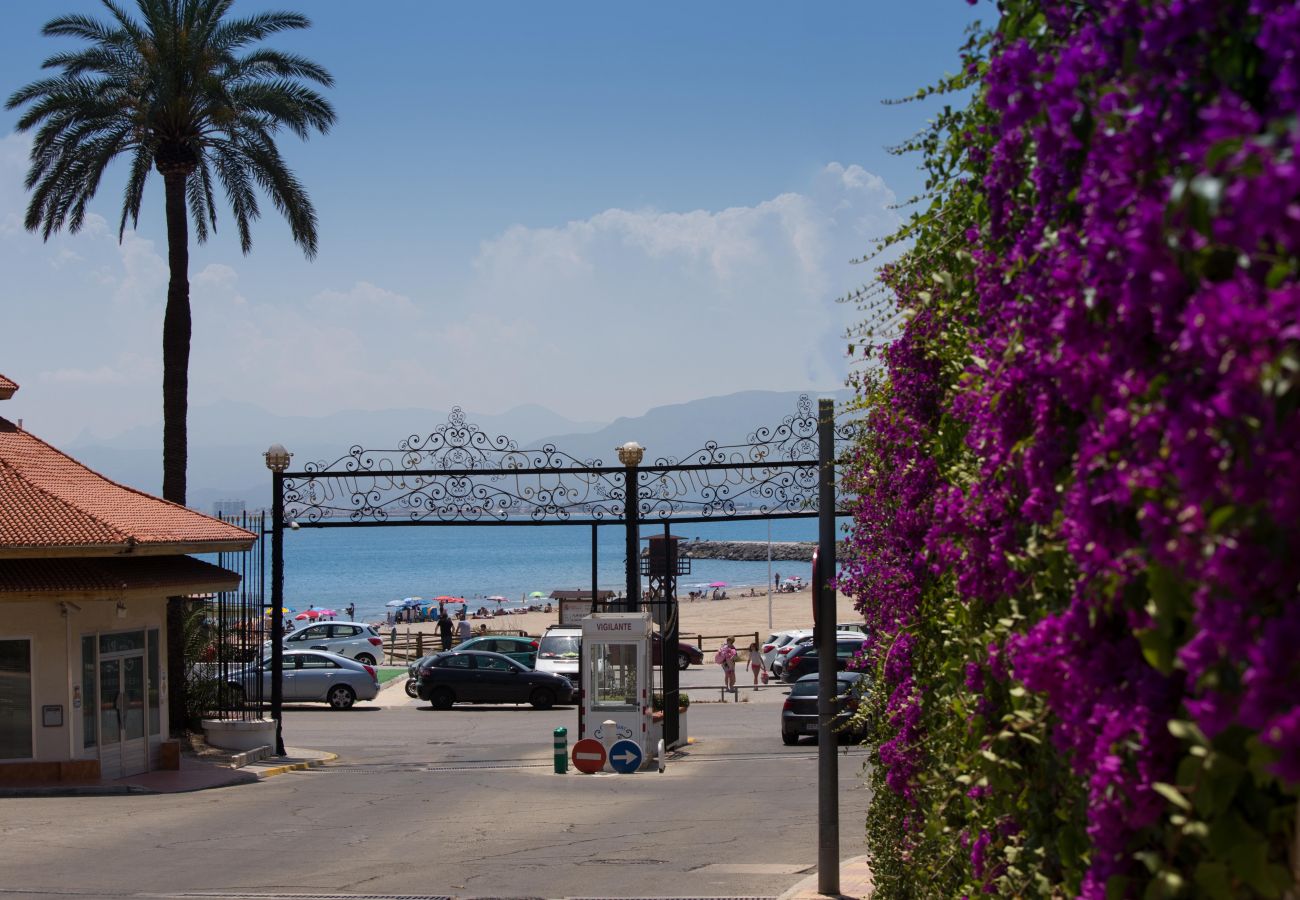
(756, 662)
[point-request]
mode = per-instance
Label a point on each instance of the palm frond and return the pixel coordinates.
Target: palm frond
(141, 163)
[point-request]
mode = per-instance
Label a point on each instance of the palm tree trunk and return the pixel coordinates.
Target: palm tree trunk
(176, 379)
(176, 340)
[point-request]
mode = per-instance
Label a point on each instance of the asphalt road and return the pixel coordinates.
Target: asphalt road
(459, 803)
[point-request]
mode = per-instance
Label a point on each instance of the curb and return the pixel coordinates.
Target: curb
(855, 883)
(272, 771)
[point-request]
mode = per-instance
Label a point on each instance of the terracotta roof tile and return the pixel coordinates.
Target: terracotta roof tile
(7, 388)
(50, 501)
(111, 577)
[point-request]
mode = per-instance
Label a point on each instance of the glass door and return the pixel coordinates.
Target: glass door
(110, 719)
(124, 744)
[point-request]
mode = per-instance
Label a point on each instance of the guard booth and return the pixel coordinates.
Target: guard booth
(616, 675)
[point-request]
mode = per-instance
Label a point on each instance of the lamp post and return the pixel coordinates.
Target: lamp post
(630, 455)
(277, 460)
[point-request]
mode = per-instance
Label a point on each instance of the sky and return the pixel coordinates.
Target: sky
(595, 207)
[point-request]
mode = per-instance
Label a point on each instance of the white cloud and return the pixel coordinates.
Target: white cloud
(595, 318)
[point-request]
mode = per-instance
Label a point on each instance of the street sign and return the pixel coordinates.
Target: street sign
(589, 755)
(625, 756)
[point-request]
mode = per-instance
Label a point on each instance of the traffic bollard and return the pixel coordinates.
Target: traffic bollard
(561, 750)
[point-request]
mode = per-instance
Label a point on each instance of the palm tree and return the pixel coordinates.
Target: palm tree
(174, 91)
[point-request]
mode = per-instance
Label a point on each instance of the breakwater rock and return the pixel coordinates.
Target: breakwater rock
(751, 551)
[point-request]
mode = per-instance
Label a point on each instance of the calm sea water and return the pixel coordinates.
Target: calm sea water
(371, 566)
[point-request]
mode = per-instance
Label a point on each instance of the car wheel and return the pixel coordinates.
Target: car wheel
(683, 661)
(542, 698)
(365, 659)
(341, 696)
(412, 688)
(789, 739)
(441, 698)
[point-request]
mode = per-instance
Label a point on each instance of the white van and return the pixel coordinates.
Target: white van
(558, 651)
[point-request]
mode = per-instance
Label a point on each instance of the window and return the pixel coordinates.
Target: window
(16, 699)
(493, 662)
(89, 721)
(615, 675)
(155, 722)
(315, 661)
(452, 661)
(346, 631)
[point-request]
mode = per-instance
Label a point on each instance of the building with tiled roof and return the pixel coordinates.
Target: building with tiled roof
(86, 567)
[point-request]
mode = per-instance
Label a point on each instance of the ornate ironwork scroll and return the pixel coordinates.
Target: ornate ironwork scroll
(459, 474)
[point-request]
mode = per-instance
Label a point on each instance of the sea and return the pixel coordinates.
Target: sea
(332, 567)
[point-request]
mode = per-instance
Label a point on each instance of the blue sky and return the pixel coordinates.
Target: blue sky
(596, 207)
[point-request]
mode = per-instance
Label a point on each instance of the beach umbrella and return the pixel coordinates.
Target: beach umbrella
(449, 599)
(537, 594)
(328, 612)
(394, 604)
(495, 598)
(717, 584)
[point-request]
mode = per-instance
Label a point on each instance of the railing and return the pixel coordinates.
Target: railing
(401, 649)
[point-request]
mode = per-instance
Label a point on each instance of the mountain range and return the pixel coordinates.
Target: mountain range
(226, 440)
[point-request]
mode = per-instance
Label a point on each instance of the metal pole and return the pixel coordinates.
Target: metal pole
(594, 549)
(769, 574)
(632, 603)
(668, 640)
(828, 809)
(277, 606)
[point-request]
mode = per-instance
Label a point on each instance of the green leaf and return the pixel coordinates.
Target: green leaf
(1211, 879)
(1172, 794)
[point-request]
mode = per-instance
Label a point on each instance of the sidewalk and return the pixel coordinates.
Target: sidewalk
(855, 883)
(194, 775)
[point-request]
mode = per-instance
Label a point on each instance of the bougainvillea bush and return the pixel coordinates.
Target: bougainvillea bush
(1078, 534)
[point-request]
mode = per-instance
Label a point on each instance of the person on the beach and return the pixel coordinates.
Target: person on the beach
(464, 630)
(756, 662)
(444, 629)
(776, 581)
(726, 657)
(351, 611)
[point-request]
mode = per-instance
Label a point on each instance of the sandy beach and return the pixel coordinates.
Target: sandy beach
(714, 619)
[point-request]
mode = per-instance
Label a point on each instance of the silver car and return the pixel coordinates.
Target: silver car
(310, 676)
(354, 639)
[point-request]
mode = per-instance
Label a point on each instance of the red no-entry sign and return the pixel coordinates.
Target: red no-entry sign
(589, 756)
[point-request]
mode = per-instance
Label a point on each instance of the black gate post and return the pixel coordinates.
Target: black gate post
(668, 642)
(630, 456)
(277, 460)
(828, 808)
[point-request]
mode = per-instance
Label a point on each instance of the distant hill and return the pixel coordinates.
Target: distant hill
(226, 440)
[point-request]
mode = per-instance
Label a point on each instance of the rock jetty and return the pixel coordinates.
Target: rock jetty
(748, 551)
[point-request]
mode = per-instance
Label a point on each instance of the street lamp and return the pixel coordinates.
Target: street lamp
(630, 455)
(277, 460)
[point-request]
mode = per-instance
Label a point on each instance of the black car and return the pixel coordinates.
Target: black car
(479, 676)
(803, 660)
(799, 714)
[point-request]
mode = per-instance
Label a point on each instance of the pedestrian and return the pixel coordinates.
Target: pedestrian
(444, 630)
(776, 581)
(726, 657)
(464, 630)
(756, 662)
(351, 611)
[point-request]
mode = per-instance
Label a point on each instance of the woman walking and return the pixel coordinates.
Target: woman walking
(726, 657)
(756, 662)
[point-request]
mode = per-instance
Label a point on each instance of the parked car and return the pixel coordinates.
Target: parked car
(309, 676)
(804, 659)
(778, 639)
(522, 650)
(803, 638)
(799, 713)
(558, 652)
(477, 676)
(686, 654)
(352, 639)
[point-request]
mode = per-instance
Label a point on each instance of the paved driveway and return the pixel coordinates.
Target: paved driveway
(455, 803)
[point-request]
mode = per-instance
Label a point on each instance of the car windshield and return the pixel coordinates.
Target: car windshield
(559, 646)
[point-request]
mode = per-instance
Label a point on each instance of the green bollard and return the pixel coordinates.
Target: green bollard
(561, 750)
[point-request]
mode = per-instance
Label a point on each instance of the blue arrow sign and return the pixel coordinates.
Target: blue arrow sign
(625, 756)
